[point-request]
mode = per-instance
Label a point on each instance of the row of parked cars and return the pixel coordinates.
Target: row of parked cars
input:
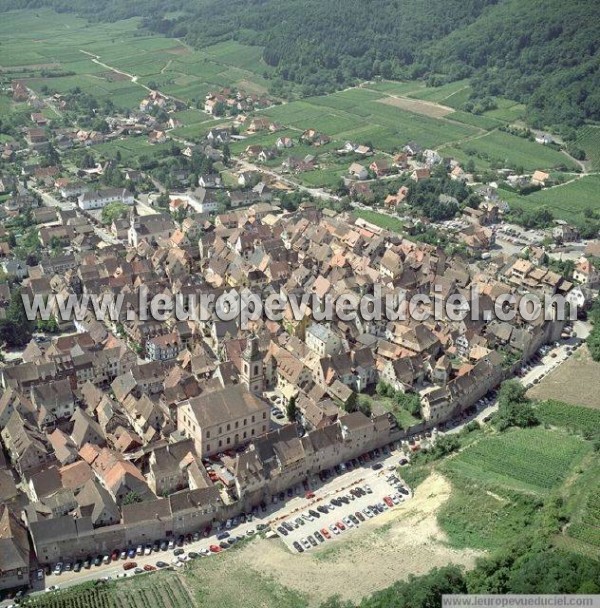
(116, 555)
(344, 523)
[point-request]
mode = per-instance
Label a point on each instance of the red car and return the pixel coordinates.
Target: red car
(388, 501)
(149, 568)
(129, 565)
(340, 525)
(215, 549)
(325, 533)
(309, 495)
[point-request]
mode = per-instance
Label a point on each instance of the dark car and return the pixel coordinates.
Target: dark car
(353, 520)
(403, 490)
(319, 537)
(298, 547)
(180, 541)
(162, 565)
(282, 531)
(312, 541)
(322, 509)
(288, 526)
(178, 552)
(222, 535)
(77, 567)
(314, 513)
(377, 466)
(97, 560)
(193, 555)
(224, 544)
(360, 516)
(345, 500)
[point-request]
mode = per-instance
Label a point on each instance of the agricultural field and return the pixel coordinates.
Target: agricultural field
(33, 41)
(505, 149)
(514, 479)
(576, 382)
(161, 590)
(453, 94)
(529, 460)
(588, 138)
(359, 115)
(583, 420)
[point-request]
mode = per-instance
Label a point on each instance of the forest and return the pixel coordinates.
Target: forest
(543, 53)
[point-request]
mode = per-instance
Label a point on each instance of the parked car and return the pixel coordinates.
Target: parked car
(129, 565)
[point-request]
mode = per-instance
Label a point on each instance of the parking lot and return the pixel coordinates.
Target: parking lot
(336, 513)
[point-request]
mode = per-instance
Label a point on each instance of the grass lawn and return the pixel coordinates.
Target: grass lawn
(379, 219)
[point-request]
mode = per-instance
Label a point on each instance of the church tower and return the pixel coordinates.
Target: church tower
(252, 366)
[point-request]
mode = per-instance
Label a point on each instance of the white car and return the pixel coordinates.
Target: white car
(348, 522)
(334, 529)
(250, 532)
(308, 517)
(305, 543)
(368, 513)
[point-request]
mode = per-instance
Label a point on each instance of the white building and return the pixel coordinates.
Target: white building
(100, 198)
(323, 341)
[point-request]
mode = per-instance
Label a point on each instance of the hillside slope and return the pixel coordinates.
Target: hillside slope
(544, 53)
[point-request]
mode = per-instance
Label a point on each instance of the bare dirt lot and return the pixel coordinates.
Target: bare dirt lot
(418, 106)
(576, 381)
(406, 540)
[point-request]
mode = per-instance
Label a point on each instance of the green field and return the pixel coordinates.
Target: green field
(379, 219)
(358, 115)
(32, 40)
(505, 149)
(566, 202)
(453, 94)
(588, 138)
(531, 460)
(579, 419)
(504, 485)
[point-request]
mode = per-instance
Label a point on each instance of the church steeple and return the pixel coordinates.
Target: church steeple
(252, 366)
